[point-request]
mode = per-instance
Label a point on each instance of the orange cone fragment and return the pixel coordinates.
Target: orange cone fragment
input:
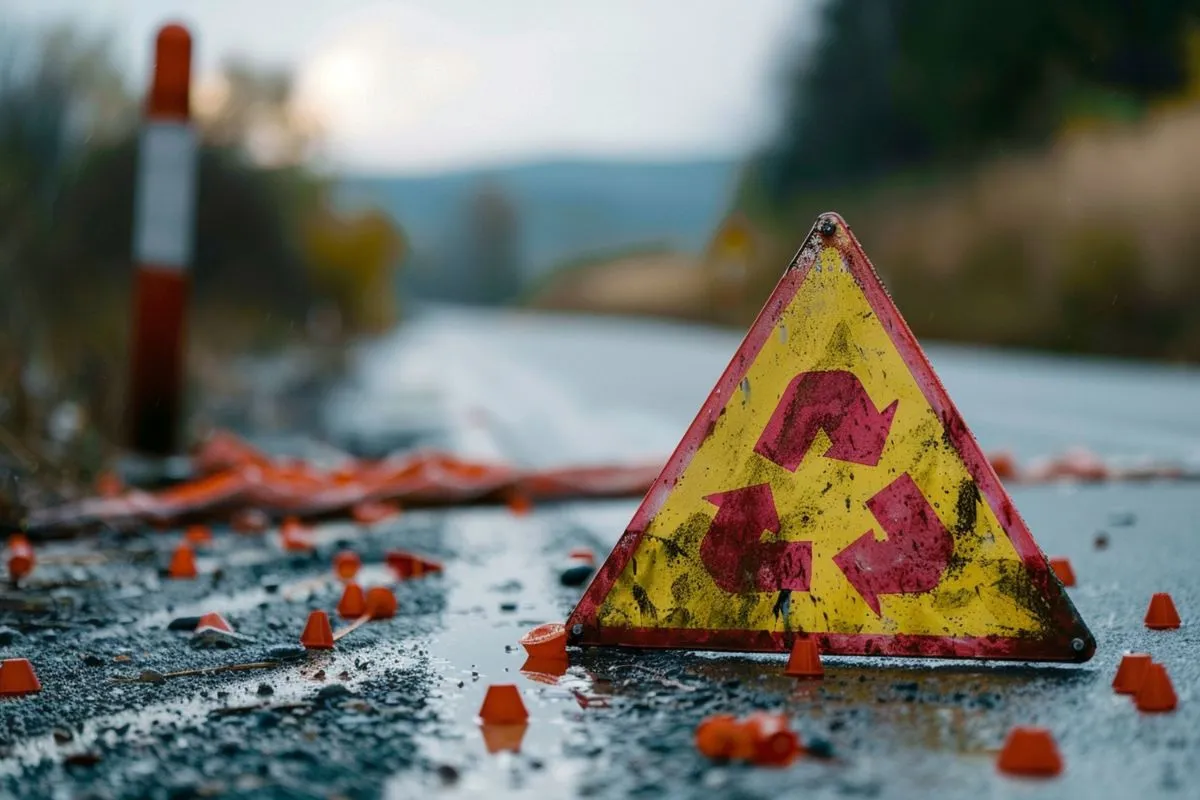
(502, 705)
(546, 642)
(198, 534)
(1130, 673)
(346, 564)
(317, 635)
(775, 745)
(353, 603)
(1031, 752)
(183, 563)
(723, 737)
(17, 678)
(214, 620)
(1062, 568)
(1161, 615)
(1156, 692)
(20, 557)
(381, 603)
(805, 660)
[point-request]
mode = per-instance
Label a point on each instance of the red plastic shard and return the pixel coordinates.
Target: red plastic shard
(215, 621)
(722, 737)
(1161, 615)
(584, 554)
(17, 678)
(346, 564)
(805, 659)
(183, 563)
(381, 603)
(1130, 673)
(21, 558)
(546, 642)
(317, 634)
(1031, 752)
(294, 536)
(1062, 568)
(407, 565)
(502, 705)
(353, 603)
(1155, 693)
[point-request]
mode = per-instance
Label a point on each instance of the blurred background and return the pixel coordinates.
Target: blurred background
(1022, 173)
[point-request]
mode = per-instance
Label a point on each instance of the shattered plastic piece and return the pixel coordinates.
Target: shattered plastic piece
(294, 536)
(371, 512)
(407, 565)
(722, 737)
(18, 678)
(1162, 615)
(198, 535)
(215, 621)
(1155, 693)
(381, 603)
(183, 563)
(502, 705)
(353, 603)
(1130, 673)
(1030, 752)
(317, 634)
(21, 558)
(582, 554)
(805, 659)
(1062, 568)
(546, 642)
(775, 745)
(346, 564)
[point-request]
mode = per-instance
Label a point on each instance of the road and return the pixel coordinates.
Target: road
(540, 391)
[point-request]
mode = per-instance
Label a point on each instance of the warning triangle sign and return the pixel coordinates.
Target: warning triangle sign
(829, 487)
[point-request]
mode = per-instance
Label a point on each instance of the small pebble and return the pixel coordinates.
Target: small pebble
(1101, 541)
(576, 575)
(265, 689)
(819, 748)
(9, 635)
(92, 661)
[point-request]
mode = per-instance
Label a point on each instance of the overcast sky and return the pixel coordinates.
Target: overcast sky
(422, 85)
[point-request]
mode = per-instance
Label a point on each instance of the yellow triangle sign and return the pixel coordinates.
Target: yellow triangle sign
(828, 487)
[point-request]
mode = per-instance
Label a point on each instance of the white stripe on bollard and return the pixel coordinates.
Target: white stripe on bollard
(166, 195)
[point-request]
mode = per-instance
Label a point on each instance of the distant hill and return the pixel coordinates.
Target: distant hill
(564, 210)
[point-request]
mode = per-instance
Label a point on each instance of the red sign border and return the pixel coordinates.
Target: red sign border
(1072, 641)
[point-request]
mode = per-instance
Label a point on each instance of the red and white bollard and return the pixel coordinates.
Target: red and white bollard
(164, 218)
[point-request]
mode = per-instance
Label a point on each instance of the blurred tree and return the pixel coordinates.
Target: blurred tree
(492, 246)
(893, 84)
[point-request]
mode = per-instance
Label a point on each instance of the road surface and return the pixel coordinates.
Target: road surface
(390, 712)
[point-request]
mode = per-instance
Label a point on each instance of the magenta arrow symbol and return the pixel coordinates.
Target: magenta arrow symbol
(735, 555)
(835, 402)
(912, 558)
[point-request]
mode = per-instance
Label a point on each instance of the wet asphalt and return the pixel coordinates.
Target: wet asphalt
(390, 712)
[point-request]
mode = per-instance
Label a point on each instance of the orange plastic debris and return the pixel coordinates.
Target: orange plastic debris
(582, 554)
(214, 620)
(370, 512)
(723, 737)
(407, 565)
(1062, 568)
(346, 564)
(1031, 752)
(519, 503)
(546, 642)
(775, 744)
(381, 603)
(502, 705)
(353, 603)
(17, 678)
(1005, 465)
(317, 635)
(1161, 615)
(1156, 692)
(1130, 673)
(20, 557)
(294, 536)
(183, 562)
(198, 534)
(805, 660)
